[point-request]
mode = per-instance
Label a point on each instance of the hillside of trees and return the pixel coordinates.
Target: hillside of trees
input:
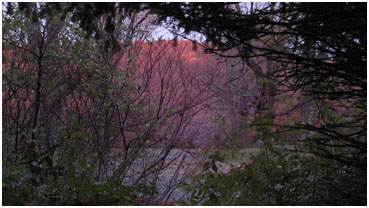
(248, 104)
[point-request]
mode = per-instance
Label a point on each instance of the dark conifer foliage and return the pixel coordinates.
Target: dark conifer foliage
(323, 53)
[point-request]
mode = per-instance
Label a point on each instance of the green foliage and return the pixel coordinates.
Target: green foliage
(59, 164)
(272, 177)
(65, 178)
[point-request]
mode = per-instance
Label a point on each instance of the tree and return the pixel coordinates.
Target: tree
(320, 53)
(108, 120)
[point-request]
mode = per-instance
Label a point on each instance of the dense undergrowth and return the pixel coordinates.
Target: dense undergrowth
(275, 176)
(66, 180)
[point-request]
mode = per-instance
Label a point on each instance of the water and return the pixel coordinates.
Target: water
(179, 165)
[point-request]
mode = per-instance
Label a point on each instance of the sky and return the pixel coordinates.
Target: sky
(162, 32)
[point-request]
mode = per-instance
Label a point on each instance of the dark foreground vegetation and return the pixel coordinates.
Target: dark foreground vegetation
(98, 110)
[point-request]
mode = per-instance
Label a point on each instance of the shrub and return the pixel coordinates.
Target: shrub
(272, 177)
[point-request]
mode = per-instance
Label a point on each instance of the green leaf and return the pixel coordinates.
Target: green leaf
(206, 166)
(270, 147)
(214, 167)
(257, 137)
